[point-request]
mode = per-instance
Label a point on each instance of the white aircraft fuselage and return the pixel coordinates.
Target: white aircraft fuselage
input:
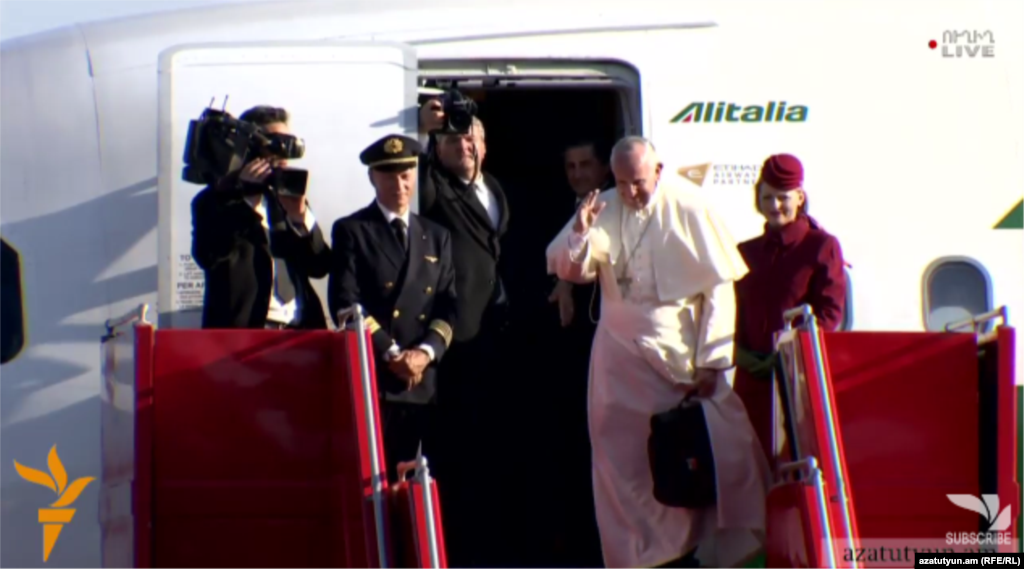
(912, 155)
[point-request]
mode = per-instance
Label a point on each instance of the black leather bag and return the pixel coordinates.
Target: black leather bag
(681, 459)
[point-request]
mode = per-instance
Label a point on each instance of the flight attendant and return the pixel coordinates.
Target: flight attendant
(793, 262)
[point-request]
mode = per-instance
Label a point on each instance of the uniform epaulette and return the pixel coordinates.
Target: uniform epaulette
(444, 329)
(372, 325)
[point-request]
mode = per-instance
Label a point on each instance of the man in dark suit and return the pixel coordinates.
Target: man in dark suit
(399, 268)
(568, 345)
(456, 193)
(258, 247)
(586, 170)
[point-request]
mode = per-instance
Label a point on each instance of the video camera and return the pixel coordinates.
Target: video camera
(459, 111)
(218, 144)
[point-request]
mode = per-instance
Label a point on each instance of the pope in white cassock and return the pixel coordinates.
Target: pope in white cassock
(666, 267)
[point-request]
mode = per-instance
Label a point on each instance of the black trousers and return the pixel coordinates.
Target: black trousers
(405, 426)
(472, 436)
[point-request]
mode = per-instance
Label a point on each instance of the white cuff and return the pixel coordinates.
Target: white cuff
(577, 243)
(429, 350)
(393, 352)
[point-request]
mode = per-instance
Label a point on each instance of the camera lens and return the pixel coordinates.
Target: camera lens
(462, 121)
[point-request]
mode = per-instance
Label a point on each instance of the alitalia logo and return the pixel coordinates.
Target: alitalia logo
(722, 111)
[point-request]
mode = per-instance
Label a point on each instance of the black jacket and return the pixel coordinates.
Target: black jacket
(409, 299)
(231, 246)
(476, 243)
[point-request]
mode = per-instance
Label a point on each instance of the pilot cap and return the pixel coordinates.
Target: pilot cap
(393, 153)
(783, 172)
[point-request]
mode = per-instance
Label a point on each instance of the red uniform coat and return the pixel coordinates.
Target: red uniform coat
(797, 264)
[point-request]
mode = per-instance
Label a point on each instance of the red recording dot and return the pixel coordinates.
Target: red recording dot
(933, 44)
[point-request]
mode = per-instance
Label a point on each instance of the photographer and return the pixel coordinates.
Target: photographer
(470, 203)
(456, 193)
(258, 243)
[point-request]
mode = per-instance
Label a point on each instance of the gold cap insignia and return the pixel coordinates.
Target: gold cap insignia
(393, 146)
(430, 259)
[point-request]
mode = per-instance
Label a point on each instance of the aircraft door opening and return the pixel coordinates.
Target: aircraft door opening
(533, 111)
(340, 97)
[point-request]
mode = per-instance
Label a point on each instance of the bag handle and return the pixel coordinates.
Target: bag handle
(688, 400)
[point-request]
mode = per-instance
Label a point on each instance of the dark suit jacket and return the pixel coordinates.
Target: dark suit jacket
(231, 246)
(410, 300)
(476, 244)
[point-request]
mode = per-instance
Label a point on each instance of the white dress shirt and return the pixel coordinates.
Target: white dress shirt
(487, 199)
(394, 351)
(281, 312)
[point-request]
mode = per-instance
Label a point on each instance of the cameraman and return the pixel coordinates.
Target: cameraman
(257, 246)
(456, 193)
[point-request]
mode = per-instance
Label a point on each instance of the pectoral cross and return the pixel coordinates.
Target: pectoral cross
(624, 284)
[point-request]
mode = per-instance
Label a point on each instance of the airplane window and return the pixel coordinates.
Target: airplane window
(955, 289)
(847, 322)
(12, 321)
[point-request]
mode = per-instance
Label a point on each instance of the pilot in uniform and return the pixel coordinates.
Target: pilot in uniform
(398, 266)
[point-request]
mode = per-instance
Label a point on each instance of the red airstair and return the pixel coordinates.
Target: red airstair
(259, 448)
(253, 448)
(877, 429)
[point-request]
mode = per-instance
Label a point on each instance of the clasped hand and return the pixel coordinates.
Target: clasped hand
(410, 365)
(705, 382)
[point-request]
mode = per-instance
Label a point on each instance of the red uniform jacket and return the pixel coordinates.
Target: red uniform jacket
(797, 264)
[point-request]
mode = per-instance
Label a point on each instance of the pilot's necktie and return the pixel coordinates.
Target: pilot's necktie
(400, 233)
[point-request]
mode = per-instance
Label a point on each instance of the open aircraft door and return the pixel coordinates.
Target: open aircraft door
(340, 96)
(811, 519)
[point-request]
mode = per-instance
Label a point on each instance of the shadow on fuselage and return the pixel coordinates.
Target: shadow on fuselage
(49, 393)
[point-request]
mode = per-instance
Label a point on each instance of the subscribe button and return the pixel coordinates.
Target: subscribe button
(975, 559)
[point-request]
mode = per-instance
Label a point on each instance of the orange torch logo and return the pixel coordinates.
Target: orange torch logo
(58, 514)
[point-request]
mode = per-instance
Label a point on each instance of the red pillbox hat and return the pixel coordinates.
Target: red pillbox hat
(783, 172)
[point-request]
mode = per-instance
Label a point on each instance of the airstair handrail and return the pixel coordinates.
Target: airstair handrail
(370, 412)
(842, 490)
(792, 314)
(811, 474)
(810, 324)
(979, 320)
(426, 487)
(137, 314)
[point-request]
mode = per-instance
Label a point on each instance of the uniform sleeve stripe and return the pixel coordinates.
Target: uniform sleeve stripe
(443, 329)
(372, 325)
